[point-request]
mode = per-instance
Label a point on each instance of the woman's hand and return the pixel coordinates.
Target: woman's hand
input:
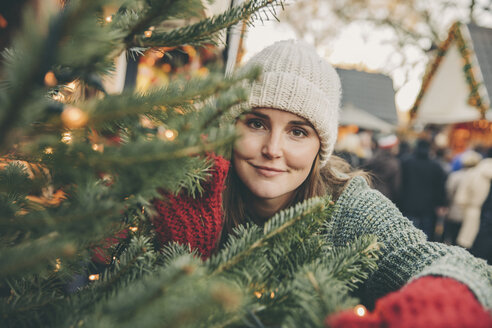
(426, 302)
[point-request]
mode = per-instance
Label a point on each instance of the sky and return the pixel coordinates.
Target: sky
(349, 50)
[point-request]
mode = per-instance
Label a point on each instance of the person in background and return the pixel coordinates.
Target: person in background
(350, 149)
(284, 155)
(422, 197)
(384, 167)
(454, 217)
(482, 246)
(471, 195)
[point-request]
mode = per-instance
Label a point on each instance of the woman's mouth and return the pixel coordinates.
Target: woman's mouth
(268, 171)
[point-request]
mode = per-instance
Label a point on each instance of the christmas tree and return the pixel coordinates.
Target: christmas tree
(79, 171)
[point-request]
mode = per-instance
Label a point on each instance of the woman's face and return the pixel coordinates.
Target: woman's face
(274, 154)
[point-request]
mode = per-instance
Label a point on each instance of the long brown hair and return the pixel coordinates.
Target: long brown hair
(331, 179)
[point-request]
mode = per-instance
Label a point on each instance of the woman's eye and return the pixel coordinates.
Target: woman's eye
(299, 133)
(255, 124)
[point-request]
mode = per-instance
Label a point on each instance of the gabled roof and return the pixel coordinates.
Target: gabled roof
(370, 92)
(482, 46)
(474, 44)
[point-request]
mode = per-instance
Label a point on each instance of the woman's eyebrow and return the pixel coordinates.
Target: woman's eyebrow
(259, 115)
(307, 123)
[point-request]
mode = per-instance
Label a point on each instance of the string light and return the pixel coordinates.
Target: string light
(98, 147)
(73, 117)
(57, 265)
(170, 134)
(50, 79)
(134, 229)
(48, 150)
(59, 97)
(66, 137)
(108, 19)
(93, 277)
(360, 310)
(72, 85)
(257, 294)
(148, 33)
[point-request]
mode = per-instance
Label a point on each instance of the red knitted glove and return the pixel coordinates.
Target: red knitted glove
(197, 222)
(426, 302)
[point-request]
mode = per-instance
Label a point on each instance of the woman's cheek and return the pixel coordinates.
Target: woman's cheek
(246, 146)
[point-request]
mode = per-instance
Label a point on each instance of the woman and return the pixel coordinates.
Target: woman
(283, 156)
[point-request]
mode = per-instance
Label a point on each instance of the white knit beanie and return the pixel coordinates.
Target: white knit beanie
(295, 79)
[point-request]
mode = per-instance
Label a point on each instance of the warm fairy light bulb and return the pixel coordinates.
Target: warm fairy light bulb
(108, 19)
(57, 265)
(257, 294)
(48, 150)
(50, 79)
(360, 310)
(93, 277)
(72, 85)
(134, 229)
(73, 117)
(170, 134)
(148, 34)
(59, 97)
(98, 147)
(66, 137)
(272, 295)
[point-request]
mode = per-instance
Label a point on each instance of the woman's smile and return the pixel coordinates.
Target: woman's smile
(268, 171)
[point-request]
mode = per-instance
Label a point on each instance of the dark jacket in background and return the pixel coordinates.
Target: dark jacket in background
(422, 188)
(386, 174)
(423, 181)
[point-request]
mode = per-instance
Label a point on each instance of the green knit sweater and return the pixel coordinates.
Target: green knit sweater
(406, 253)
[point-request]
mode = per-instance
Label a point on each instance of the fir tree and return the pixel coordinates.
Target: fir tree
(65, 188)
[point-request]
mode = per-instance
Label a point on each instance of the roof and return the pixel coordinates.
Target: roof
(474, 44)
(482, 46)
(370, 92)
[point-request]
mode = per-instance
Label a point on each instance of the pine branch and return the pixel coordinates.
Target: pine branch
(160, 10)
(205, 30)
(274, 227)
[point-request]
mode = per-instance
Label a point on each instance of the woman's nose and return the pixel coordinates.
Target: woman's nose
(272, 147)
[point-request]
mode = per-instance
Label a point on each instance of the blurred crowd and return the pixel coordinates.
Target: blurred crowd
(448, 197)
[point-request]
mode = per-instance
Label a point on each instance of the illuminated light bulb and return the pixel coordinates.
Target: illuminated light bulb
(93, 277)
(50, 79)
(48, 150)
(59, 97)
(98, 147)
(74, 118)
(148, 33)
(170, 134)
(72, 85)
(257, 294)
(272, 295)
(108, 19)
(360, 310)
(57, 265)
(66, 137)
(134, 229)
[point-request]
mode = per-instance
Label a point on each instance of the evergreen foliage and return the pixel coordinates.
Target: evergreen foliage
(62, 199)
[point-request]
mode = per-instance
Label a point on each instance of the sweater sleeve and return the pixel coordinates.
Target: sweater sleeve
(196, 222)
(406, 253)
